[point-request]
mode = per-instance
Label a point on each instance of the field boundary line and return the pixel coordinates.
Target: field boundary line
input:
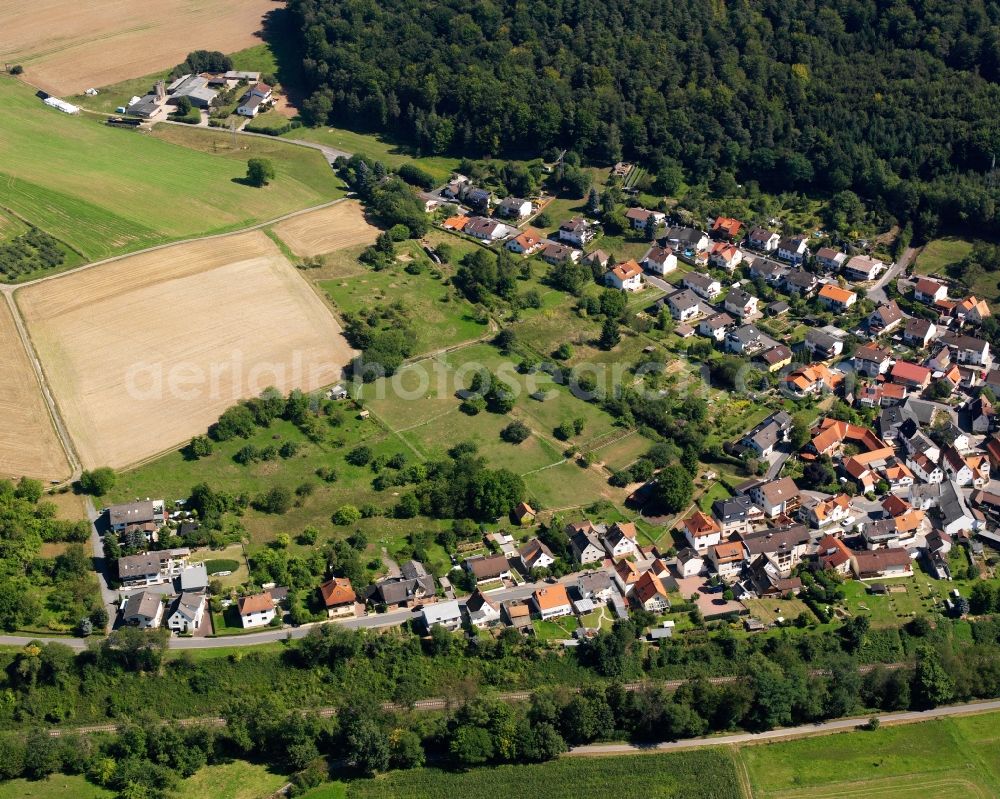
(52, 408)
(742, 772)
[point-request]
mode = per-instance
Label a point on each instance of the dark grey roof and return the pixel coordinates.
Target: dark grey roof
(731, 510)
(776, 540)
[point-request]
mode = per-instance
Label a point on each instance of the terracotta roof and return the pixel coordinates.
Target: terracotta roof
(836, 294)
(832, 552)
(728, 552)
(456, 222)
(530, 238)
(727, 225)
(647, 587)
(257, 603)
(699, 524)
(627, 571)
(928, 286)
(552, 596)
(895, 506)
(626, 270)
(910, 372)
(337, 591)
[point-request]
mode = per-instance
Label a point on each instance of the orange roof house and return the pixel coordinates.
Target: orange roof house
(650, 593)
(257, 603)
(833, 554)
(456, 222)
(699, 524)
(726, 226)
(552, 601)
(895, 506)
(528, 241)
(830, 433)
(627, 269)
(910, 374)
(338, 595)
(833, 295)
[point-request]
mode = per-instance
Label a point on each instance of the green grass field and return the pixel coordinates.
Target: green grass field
(105, 191)
(704, 774)
(441, 317)
(939, 253)
(58, 786)
(376, 146)
(941, 759)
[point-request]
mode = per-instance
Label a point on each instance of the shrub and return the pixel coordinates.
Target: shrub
(515, 432)
(415, 176)
(345, 515)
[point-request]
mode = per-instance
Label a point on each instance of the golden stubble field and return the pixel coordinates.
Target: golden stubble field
(144, 352)
(28, 443)
(327, 230)
(67, 46)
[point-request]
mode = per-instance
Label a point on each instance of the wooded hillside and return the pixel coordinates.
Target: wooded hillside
(893, 99)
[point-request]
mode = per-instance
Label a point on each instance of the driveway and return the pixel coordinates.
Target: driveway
(709, 601)
(109, 598)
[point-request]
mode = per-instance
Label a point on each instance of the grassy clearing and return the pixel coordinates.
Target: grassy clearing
(769, 610)
(441, 317)
(939, 253)
(236, 780)
(376, 146)
(105, 191)
(58, 786)
(692, 775)
(933, 759)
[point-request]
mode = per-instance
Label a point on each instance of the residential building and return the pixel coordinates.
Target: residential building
(871, 360)
(811, 379)
(726, 228)
(764, 240)
(620, 540)
(338, 597)
(442, 614)
(552, 601)
(744, 340)
(918, 332)
(188, 613)
(833, 555)
(556, 254)
(148, 514)
(514, 208)
(686, 241)
(626, 276)
(822, 346)
(526, 242)
(413, 585)
(830, 259)
(793, 249)
(911, 375)
(523, 513)
(598, 257)
(776, 358)
(881, 563)
(488, 569)
(649, 594)
(701, 531)
(969, 350)
(765, 436)
(683, 305)
(776, 497)
(768, 271)
(885, 318)
(704, 286)
(834, 298)
(741, 303)
(727, 559)
(486, 228)
(823, 512)
(143, 610)
(626, 575)
(715, 327)
(482, 611)
(639, 218)
(733, 516)
(255, 100)
(660, 260)
(535, 555)
(799, 282)
(725, 256)
(596, 586)
(152, 568)
(929, 291)
(690, 562)
(862, 268)
(586, 547)
(577, 231)
(783, 547)
(982, 416)
(256, 610)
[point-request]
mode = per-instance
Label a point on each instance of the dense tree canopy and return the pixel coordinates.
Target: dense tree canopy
(893, 99)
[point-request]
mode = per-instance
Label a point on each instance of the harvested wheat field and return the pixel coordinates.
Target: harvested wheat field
(144, 352)
(28, 442)
(327, 230)
(67, 46)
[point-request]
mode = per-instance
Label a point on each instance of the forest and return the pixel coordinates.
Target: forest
(889, 98)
